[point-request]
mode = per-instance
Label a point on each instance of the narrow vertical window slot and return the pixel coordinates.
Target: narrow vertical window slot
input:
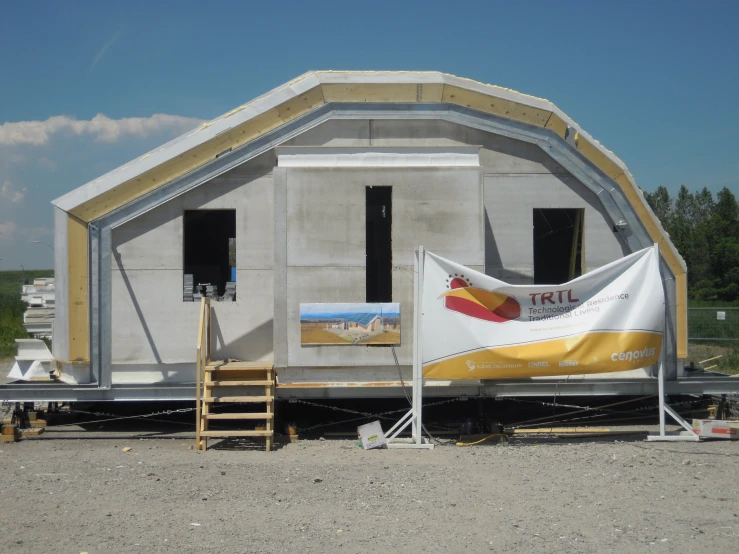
(379, 255)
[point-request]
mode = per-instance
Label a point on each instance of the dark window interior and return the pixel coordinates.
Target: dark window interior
(209, 249)
(557, 245)
(379, 244)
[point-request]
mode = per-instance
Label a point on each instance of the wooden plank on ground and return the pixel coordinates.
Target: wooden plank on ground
(246, 383)
(35, 432)
(561, 430)
(236, 433)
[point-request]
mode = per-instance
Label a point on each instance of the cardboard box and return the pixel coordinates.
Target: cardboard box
(716, 429)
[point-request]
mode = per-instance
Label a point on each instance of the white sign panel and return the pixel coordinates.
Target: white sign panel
(477, 327)
(721, 316)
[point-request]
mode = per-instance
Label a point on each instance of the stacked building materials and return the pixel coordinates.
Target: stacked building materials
(211, 291)
(230, 294)
(38, 319)
(187, 289)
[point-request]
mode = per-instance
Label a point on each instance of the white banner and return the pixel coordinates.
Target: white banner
(477, 327)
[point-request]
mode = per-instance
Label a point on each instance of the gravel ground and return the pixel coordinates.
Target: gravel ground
(76, 491)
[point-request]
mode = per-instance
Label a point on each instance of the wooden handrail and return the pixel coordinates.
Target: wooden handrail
(201, 360)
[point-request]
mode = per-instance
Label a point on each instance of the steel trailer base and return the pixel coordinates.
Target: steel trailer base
(60, 392)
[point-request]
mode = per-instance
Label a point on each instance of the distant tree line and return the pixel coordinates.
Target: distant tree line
(706, 233)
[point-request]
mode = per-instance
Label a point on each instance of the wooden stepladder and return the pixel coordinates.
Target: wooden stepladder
(248, 383)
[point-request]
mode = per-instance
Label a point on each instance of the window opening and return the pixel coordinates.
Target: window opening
(379, 244)
(209, 252)
(557, 245)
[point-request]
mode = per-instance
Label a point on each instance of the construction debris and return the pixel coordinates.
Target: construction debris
(39, 316)
(716, 429)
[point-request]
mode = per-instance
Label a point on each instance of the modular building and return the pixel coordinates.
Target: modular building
(319, 191)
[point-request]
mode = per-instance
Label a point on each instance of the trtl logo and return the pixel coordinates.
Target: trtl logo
(481, 304)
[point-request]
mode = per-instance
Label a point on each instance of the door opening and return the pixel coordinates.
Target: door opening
(557, 245)
(379, 255)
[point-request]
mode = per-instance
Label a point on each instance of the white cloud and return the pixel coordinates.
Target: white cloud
(9, 192)
(36, 232)
(7, 230)
(101, 128)
(46, 163)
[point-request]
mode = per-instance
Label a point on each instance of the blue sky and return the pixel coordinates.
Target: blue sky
(657, 82)
(312, 311)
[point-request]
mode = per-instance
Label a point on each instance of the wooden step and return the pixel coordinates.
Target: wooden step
(236, 433)
(238, 398)
(239, 416)
(239, 366)
(255, 383)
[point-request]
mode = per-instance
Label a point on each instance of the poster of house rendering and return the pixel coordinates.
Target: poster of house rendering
(350, 324)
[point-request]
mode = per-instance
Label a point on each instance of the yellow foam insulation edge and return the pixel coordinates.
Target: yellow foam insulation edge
(78, 294)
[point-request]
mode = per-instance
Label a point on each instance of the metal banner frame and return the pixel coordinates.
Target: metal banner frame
(413, 416)
(664, 408)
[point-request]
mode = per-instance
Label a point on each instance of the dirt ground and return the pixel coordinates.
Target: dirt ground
(77, 491)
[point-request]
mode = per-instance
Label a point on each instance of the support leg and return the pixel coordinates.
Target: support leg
(664, 409)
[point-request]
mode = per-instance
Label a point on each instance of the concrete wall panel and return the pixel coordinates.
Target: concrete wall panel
(509, 204)
(151, 323)
(440, 210)
(325, 218)
(498, 155)
(335, 132)
(154, 240)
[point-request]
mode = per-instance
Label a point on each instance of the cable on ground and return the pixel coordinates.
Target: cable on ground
(481, 440)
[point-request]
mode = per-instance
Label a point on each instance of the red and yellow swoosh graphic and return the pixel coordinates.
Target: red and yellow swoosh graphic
(482, 304)
(593, 352)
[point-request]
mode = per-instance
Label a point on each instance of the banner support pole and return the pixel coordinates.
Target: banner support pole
(664, 408)
(414, 416)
